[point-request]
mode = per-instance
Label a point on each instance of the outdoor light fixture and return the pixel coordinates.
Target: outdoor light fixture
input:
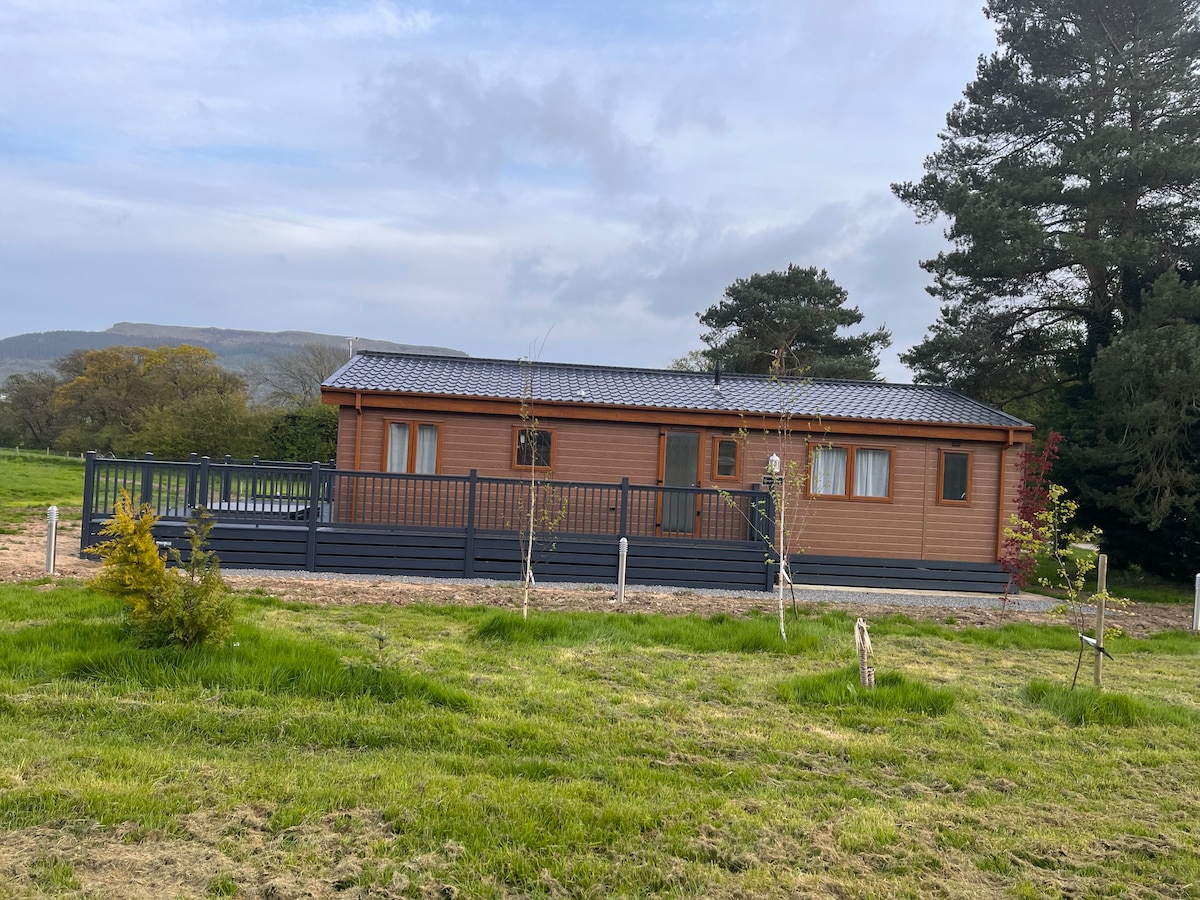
(773, 464)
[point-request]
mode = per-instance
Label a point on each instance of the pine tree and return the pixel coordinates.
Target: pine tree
(788, 323)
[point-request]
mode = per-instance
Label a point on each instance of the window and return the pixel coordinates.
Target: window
(954, 477)
(412, 448)
(872, 469)
(726, 459)
(533, 447)
(829, 471)
(863, 473)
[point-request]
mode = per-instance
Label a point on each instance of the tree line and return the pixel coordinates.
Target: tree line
(173, 401)
(1068, 178)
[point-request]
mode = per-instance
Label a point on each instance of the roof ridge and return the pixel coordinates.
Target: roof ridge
(634, 386)
(680, 373)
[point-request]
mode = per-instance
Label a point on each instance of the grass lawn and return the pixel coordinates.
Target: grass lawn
(423, 752)
(29, 484)
(1133, 583)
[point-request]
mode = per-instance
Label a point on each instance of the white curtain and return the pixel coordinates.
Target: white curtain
(427, 436)
(871, 473)
(397, 460)
(829, 470)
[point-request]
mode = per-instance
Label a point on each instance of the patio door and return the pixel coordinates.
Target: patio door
(680, 469)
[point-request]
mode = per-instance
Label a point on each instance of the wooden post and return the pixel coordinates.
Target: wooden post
(314, 516)
(469, 541)
(192, 469)
(224, 480)
(768, 515)
(147, 479)
(202, 488)
(1101, 588)
(89, 502)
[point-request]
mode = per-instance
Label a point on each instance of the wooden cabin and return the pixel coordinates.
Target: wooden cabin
(872, 475)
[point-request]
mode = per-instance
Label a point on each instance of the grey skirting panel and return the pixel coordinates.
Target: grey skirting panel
(651, 561)
(903, 574)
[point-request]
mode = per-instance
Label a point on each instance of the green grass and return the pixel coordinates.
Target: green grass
(842, 689)
(29, 484)
(715, 633)
(1091, 706)
(415, 751)
(1133, 583)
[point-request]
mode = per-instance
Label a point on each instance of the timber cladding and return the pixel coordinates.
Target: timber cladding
(861, 470)
(909, 522)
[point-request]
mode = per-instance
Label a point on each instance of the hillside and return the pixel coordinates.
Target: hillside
(234, 348)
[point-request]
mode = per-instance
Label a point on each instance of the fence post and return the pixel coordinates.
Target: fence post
(314, 508)
(1101, 589)
(193, 465)
(225, 478)
(624, 525)
(89, 500)
(469, 544)
(147, 479)
(767, 537)
(202, 490)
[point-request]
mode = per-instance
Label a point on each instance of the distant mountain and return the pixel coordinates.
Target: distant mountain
(235, 349)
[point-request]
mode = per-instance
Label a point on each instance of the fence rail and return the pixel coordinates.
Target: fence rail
(321, 495)
(314, 517)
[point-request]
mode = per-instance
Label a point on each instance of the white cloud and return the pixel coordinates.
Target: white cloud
(453, 122)
(465, 173)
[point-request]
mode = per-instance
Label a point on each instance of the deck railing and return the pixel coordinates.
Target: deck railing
(323, 496)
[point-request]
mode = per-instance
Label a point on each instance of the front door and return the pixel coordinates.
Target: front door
(681, 469)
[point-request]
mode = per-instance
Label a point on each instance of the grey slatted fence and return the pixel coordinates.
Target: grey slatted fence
(281, 515)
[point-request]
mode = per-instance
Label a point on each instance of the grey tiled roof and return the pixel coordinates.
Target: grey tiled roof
(624, 387)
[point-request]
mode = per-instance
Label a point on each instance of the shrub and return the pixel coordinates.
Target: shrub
(131, 566)
(188, 606)
(199, 609)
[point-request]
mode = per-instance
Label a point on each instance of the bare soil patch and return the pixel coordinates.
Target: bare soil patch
(23, 558)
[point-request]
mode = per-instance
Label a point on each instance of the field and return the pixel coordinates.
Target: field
(30, 483)
(417, 751)
(397, 746)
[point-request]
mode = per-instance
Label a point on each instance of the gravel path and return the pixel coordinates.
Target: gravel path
(804, 593)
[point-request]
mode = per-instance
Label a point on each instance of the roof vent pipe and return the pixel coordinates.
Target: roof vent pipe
(717, 372)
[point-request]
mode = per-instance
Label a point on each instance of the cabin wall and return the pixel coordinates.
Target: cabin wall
(911, 524)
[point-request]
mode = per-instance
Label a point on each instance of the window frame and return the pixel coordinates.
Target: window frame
(714, 474)
(414, 426)
(517, 431)
(851, 464)
(940, 486)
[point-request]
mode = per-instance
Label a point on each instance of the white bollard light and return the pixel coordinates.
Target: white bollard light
(1196, 607)
(622, 553)
(51, 537)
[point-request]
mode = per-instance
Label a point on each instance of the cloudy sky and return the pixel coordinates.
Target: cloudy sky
(572, 179)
